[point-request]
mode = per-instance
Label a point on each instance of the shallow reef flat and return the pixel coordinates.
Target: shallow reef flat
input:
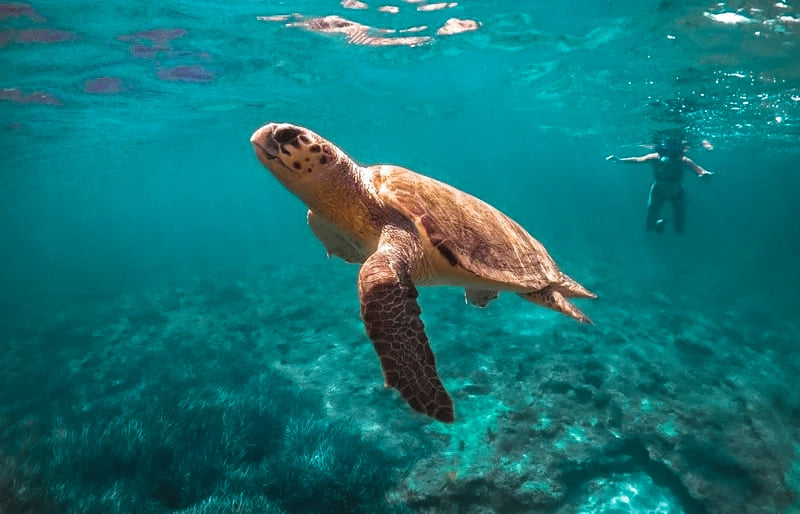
(263, 393)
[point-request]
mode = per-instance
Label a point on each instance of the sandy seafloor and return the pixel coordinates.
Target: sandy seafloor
(173, 338)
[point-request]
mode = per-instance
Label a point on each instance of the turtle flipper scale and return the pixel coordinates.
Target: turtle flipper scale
(391, 313)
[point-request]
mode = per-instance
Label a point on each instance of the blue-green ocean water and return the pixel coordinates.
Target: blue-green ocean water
(173, 338)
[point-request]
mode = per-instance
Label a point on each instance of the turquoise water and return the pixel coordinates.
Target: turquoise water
(175, 340)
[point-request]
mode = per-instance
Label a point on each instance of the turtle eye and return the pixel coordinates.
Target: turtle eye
(284, 135)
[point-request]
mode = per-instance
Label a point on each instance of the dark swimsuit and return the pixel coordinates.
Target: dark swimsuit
(667, 186)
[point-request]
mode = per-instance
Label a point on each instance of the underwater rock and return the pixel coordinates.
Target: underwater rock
(156, 43)
(37, 97)
(721, 442)
(186, 73)
(149, 44)
(694, 440)
(154, 35)
(147, 52)
(104, 86)
(19, 10)
(43, 35)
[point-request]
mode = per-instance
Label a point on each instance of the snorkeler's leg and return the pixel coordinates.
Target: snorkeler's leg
(679, 210)
(654, 203)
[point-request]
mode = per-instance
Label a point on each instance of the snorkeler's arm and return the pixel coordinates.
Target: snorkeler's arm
(634, 160)
(696, 167)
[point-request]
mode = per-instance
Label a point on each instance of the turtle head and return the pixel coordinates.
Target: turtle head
(299, 158)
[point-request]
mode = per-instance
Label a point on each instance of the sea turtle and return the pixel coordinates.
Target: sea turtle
(407, 229)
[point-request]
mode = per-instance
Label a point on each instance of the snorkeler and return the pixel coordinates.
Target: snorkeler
(669, 163)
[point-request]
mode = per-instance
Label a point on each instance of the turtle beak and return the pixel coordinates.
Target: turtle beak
(264, 142)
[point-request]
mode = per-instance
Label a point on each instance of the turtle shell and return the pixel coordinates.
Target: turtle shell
(471, 235)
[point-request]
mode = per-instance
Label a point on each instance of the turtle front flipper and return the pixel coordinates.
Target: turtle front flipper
(391, 313)
(479, 297)
(335, 242)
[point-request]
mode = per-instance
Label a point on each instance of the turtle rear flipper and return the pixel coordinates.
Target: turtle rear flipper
(570, 288)
(552, 299)
(391, 313)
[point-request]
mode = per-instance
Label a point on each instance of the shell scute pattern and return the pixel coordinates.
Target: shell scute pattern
(468, 232)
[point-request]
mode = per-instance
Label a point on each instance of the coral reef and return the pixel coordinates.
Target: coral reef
(215, 396)
(172, 410)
